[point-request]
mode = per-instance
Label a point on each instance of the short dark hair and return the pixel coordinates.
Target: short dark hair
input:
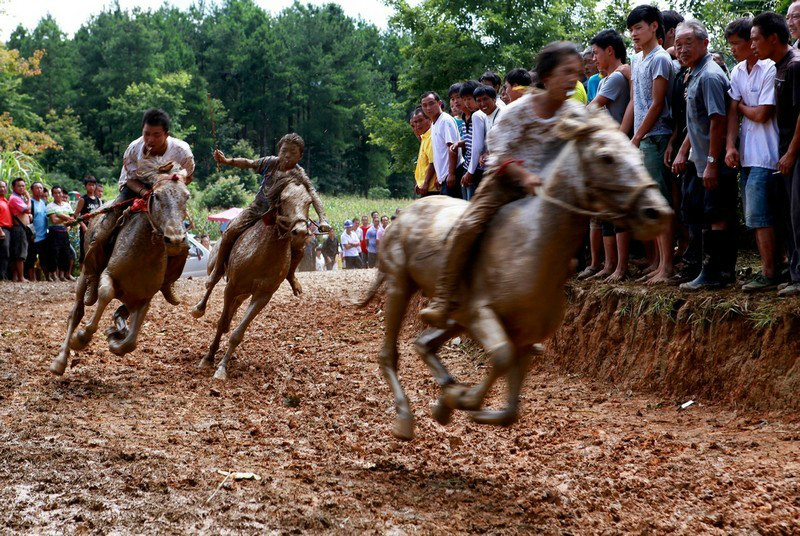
(649, 15)
(89, 178)
(15, 180)
(739, 27)
(518, 77)
(770, 23)
(415, 112)
(671, 19)
(482, 90)
(294, 139)
(455, 88)
(610, 38)
(156, 118)
(468, 88)
(491, 77)
(432, 93)
(552, 56)
(57, 187)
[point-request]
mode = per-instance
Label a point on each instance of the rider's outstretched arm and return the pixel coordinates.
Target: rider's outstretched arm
(315, 200)
(241, 163)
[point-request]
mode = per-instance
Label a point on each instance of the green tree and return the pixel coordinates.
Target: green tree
(77, 156)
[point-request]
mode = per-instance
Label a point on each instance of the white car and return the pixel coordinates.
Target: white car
(197, 263)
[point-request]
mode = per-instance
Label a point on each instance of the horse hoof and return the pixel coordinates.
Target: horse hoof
(58, 366)
(205, 363)
(453, 395)
(297, 288)
(80, 340)
(495, 418)
(403, 428)
(198, 311)
(120, 349)
(442, 412)
(221, 374)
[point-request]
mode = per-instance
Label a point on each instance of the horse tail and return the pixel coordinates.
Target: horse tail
(373, 291)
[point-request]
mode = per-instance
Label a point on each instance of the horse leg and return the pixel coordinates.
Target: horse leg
(223, 326)
(426, 345)
(120, 328)
(59, 364)
(128, 344)
(397, 296)
(255, 307)
(516, 376)
(488, 330)
(105, 294)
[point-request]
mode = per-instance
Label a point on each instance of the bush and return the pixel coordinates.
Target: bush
(225, 193)
(379, 193)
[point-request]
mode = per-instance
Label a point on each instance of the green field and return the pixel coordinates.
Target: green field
(337, 209)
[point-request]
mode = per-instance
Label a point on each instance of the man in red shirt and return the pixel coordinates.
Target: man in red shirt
(5, 231)
(364, 228)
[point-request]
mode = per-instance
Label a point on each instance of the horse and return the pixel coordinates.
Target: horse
(149, 231)
(259, 262)
(512, 298)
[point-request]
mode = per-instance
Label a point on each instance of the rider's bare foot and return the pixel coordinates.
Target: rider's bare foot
(617, 276)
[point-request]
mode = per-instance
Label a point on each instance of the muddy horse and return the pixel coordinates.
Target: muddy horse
(259, 262)
(510, 302)
(149, 231)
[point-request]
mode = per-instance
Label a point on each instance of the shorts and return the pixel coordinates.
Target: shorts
(19, 243)
(760, 187)
(60, 251)
(653, 149)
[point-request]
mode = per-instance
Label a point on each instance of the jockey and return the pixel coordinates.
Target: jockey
(290, 151)
(155, 142)
(521, 143)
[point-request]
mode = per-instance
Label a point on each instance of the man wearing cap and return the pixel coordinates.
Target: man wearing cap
(89, 202)
(351, 246)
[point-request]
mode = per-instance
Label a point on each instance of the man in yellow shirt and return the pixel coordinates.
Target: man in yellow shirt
(424, 173)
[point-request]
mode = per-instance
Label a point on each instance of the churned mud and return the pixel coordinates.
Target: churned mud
(133, 445)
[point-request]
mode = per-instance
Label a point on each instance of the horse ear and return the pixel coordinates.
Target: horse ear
(164, 168)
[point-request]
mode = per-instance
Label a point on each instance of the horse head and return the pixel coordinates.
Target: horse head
(607, 177)
(166, 205)
(289, 196)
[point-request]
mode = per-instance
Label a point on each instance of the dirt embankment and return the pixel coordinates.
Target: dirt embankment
(722, 347)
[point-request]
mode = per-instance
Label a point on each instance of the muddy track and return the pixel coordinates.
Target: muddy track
(133, 445)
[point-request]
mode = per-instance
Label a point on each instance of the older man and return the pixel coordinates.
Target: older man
(793, 20)
(444, 133)
(707, 91)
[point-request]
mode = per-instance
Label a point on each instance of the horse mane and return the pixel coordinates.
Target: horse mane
(282, 179)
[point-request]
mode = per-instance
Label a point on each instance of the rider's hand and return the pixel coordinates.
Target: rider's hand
(219, 156)
(323, 227)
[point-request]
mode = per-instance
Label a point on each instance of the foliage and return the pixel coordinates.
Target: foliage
(76, 155)
(340, 208)
(14, 138)
(15, 164)
(226, 192)
(379, 193)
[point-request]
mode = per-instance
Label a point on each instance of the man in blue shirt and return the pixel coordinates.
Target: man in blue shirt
(372, 241)
(37, 249)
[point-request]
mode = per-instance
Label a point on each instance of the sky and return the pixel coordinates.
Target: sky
(71, 14)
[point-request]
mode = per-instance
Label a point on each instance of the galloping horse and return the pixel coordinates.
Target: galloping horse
(150, 231)
(259, 262)
(510, 302)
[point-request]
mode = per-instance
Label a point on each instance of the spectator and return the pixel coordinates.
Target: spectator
(372, 241)
(362, 235)
(521, 145)
(707, 89)
(424, 173)
(752, 96)
(351, 246)
(205, 241)
(770, 35)
(469, 107)
(6, 223)
(89, 202)
(793, 21)
(320, 260)
(454, 95)
(483, 121)
(719, 59)
(330, 249)
(98, 193)
(492, 80)
(592, 74)
(517, 82)
(614, 95)
(20, 205)
(671, 20)
(444, 133)
(37, 249)
(650, 81)
(382, 229)
(60, 253)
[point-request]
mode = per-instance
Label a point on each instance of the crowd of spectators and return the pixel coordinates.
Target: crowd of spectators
(713, 140)
(356, 247)
(34, 229)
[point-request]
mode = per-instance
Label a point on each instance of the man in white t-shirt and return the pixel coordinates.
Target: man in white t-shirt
(351, 246)
(752, 96)
(482, 122)
(155, 142)
(444, 132)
